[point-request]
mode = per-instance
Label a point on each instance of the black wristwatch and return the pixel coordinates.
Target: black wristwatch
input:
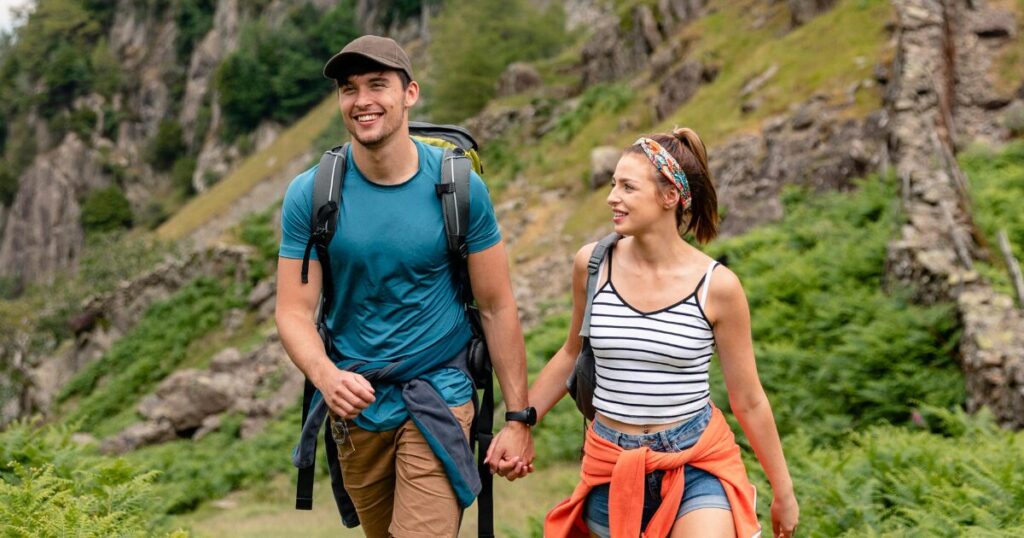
(528, 415)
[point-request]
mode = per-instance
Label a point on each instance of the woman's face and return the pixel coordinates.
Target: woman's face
(636, 198)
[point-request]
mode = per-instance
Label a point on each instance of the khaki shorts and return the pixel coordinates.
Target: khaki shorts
(397, 484)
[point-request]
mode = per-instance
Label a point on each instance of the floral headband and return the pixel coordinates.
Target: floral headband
(667, 165)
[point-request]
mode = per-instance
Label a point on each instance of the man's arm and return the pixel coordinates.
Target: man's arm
(346, 393)
(492, 288)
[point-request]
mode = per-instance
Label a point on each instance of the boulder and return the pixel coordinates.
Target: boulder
(517, 78)
(680, 85)
(602, 165)
(43, 232)
(802, 11)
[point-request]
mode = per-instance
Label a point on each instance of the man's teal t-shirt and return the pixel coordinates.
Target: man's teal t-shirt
(396, 297)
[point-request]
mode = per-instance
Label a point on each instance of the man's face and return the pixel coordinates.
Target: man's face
(374, 106)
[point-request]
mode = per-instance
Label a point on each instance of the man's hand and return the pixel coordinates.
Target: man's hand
(511, 452)
(346, 393)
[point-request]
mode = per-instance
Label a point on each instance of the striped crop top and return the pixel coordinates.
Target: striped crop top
(652, 367)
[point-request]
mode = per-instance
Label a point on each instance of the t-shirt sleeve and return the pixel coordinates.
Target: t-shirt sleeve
(483, 225)
(295, 215)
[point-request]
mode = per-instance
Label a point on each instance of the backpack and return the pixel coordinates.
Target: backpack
(582, 380)
(460, 155)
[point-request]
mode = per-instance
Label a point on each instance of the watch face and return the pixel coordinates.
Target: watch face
(531, 416)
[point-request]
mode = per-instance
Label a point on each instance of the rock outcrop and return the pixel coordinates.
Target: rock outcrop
(190, 403)
(103, 320)
(929, 113)
(801, 11)
(814, 146)
(43, 231)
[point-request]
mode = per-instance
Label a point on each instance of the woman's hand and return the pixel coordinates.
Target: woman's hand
(785, 514)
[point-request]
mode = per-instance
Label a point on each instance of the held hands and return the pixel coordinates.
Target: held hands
(346, 393)
(511, 452)
(785, 514)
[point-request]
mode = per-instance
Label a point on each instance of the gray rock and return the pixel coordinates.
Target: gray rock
(993, 23)
(603, 160)
(802, 11)
(138, 435)
(43, 232)
(264, 291)
(680, 85)
(517, 78)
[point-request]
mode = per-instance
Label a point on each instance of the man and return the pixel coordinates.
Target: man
(396, 301)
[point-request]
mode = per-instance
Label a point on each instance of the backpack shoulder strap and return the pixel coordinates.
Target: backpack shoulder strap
(326, 203)
(596, 257)
(453, 190)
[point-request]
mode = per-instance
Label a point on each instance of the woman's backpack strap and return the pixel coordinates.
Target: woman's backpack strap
(593, 273)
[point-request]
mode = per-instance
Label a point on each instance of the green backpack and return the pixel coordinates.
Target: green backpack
(460, 155)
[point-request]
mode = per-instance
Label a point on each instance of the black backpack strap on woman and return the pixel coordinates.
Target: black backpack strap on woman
(582, 381)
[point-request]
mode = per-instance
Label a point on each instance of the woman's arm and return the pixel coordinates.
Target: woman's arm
(549, 387)
(730, 315)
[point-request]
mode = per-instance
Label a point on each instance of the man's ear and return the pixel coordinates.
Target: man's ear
(412, 94)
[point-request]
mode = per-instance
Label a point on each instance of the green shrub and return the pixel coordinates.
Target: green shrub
(471, 47)
(50, 487)
(8, 184)
(194, 19)
(599, 99)
(181, 175)
(106, 209)
(276, 72)
(256, 230)
(167, 145)
(891, 481)
(151, 351)
(997, 188)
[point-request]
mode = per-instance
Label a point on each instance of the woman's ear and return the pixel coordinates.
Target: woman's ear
(669, 198)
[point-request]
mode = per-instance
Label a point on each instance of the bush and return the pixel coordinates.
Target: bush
(276, 73)
(106, 209)
(8, 184)
(194, 19)
(181, 175)
(49, 484)
(167, 145)
(471, 47)
(151, 351)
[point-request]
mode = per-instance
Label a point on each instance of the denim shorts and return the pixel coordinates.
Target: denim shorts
(702, 489)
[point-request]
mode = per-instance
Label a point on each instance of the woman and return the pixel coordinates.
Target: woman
(661, 307)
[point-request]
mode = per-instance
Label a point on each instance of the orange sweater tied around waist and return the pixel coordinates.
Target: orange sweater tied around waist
(715, 452)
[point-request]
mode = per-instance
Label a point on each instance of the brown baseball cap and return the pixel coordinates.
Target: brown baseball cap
(363, 52)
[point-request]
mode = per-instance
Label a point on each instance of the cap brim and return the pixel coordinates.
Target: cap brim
(343, 64)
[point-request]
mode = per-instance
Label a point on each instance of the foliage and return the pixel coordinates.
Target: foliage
(106, 209)
(834, 351)
(167, 145)
(258, 230)
(471, 47)
(194, 18)
(997, 187)
(151, 351)
(276, 72)
(50, 487)
(598, 99)
(895, 481)
(8, 184)
(181, 175)
(193, 472)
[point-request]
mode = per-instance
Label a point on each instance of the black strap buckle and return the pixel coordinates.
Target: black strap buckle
(444, 188)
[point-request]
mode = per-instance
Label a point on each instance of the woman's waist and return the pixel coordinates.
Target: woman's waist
(667, 436)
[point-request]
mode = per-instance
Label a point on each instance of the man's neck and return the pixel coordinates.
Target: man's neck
(389, 164)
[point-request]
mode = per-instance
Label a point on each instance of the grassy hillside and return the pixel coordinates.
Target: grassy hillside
(865, 387)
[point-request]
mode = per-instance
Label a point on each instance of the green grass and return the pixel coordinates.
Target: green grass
(1009, 61)
(153, 349)
(826, 55)
(263, 165)
(997, 187)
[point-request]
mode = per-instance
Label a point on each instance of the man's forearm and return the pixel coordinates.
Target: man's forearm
(302, 343)
(504, 337)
